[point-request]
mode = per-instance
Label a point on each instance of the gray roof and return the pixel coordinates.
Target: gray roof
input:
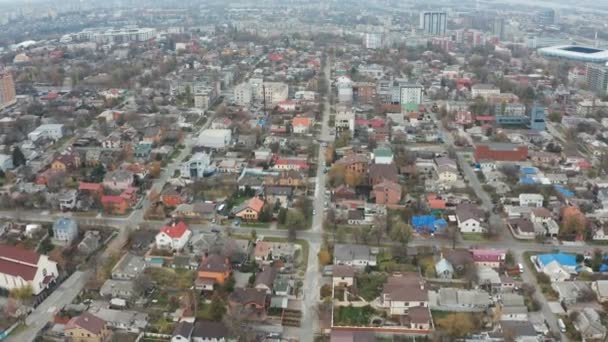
(443, 265)
(348, 252)
(452, 296)
(130, 264)
(518, 328)
(512, 299)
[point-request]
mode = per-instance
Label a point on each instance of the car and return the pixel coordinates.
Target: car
(521, 268)
(314, 212)
(215, 230)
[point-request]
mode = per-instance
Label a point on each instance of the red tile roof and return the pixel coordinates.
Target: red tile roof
(17, 270)
(90, 186)
(111, 199)
(175, 231)
(88, 322)
(256, 204)
(19, 254)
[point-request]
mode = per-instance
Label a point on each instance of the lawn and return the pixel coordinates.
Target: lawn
(169, 278)
(473, 237)
(352, 316)
(369, 286)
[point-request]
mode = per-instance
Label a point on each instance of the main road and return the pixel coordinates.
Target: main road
(312, 277)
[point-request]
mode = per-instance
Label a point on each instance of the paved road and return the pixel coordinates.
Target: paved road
(64, 294)
(312, 278)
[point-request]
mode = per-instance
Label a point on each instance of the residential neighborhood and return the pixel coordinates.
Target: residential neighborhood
(303, 171)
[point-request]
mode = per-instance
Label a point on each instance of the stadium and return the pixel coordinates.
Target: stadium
(576, 53)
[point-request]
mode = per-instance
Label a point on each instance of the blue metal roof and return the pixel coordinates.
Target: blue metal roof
(527, 180)
(565, 192)
(562, 258)
(528, 170)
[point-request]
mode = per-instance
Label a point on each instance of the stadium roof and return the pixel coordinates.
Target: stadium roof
(576, 53)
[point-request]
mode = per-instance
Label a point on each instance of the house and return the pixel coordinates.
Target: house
(215, 138)
(118, 180)
(198, 166)
(558, 267)
(518, 331)
(387, 192)
(87, 328)
(264, 280)
(278, 194)
(531, 200)
(266, 251)
(381, 172)
(21, 267)
(501, 152)
(569, 292)
(214, 269)
(90, 242)
(94, 190)
(290, 178)
(589, 324)
(65, 230)
(444, 269)
(128, 267)
(47, 131)
(525, 229)
(172, 196)
(383, 155)
(458, 258)
(112, 288)
(301, 124)
(406, 295)
(354, 255)
(470, 218)
(200, 210)
(453, 299)
(142, 150)
(355, 165)
(127, 320)
(66, 162)
(493, 258)
(447, 170)
(119, 204)
(600, 287)
(67, 199)
(174, 236)
(285, 164)
(209, 331)
(248, 298)
(343, 275)
(250, 210)
(182, 332)
(153, 135)
(513, 307)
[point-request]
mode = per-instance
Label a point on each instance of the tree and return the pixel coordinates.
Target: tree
(23, 294)
(282, 217)
(509, 258)
(336, 175)
(18, 157)
(343, 140)
(456, 325)
(142, 283)
(266, 213)
(217, 308)
(254, 235)
(98, 173)
(295, 219)
(324, 257)
(401, 232)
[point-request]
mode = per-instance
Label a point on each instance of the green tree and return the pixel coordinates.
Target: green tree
(217, 308)
(98, 173)
(23, 294)
(401, 232)
(282, 217)
(18, 157)
(254, 235)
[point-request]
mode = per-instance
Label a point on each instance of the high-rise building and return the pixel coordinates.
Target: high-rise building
(537, 118)
(597, 77)
(498, 28)
(546, 17)
(434, 23)
(410, 94)
(372, 40)
(7, 90)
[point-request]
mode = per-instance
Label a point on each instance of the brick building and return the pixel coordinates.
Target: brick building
(501, 152)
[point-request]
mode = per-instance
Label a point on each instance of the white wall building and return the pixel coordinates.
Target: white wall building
(242, 94)
(215, 138)
(531, 200)
(21, 267)
(411, 93)
(47, 131)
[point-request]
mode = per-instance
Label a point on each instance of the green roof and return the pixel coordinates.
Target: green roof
(410, 106)
(383, 152)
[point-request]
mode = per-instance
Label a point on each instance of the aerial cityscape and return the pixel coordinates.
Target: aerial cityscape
(288, 170)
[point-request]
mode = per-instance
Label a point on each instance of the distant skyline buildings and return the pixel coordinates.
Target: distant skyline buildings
(434, 23)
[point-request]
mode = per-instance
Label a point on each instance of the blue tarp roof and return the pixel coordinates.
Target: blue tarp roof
(427, 223)
(565, 192)
(562, 258)
(604, 268)
(528, 170)
(527, 180)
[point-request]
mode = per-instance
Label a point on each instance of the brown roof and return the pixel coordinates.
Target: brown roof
(386, 184)
(245, 296)
(214, 263)
(266, 277)
(420, 315)
(458, 257)
(466, 211)
(343, 271)
(522, 224)
(386, 171)
(408, 287)
(352, 336)
(20, 254)
(541, 212)
(209, 330)
(88, 322)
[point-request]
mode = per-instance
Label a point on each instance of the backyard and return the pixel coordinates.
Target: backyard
(354, 316)
(369, 286)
